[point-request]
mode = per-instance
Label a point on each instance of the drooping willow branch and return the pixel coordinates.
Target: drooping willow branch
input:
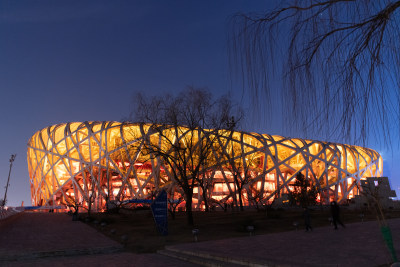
(338, 62)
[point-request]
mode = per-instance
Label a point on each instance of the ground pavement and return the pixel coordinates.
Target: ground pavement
(51, 239)
(359, 244)
(46, 239)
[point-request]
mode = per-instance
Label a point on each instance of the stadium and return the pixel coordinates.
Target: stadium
(91, 163)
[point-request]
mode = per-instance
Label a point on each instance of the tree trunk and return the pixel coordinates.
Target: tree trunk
(240, 199)
(172, 211)
(92, 199)
(89, 208)
(239, 191)
(189, 212)
(234, 195)
(205, 199)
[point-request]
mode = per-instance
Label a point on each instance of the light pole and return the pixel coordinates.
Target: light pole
(8, 180)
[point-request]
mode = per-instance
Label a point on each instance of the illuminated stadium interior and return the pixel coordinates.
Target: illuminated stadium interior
(79, 160)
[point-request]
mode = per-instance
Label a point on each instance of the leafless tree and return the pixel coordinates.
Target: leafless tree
(2, 203)
(304, 192)
(90, 187)
(206, 181)
(338, 60)
(241, 164)
(173, 205)
(75, 204)
(256, 196)
(92, 197)
(187, 127)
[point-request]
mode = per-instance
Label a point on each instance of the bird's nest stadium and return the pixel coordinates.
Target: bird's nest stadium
(98, 162)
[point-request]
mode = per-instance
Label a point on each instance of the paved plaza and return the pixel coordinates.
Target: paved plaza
(359, 244)
(51, 239)
(46, 239)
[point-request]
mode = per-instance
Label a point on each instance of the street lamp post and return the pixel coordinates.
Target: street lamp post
(8, 180)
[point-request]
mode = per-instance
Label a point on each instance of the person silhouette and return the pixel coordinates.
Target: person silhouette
(307, 219)
(335, 212)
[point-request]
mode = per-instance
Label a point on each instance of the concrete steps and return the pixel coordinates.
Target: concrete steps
(206, 259)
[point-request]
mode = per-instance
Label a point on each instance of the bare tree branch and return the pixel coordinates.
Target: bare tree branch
(339, 65)
(187, 128)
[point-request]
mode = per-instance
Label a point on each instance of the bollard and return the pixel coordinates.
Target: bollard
(362, 217)
(195, 233)
(250, 229)
(124, 239)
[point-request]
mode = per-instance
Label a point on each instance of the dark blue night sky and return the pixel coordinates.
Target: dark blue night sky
(63, 61)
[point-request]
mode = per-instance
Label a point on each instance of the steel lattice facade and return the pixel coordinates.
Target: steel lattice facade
(79, 160)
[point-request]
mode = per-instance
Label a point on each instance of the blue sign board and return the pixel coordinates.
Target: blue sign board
(159, 208)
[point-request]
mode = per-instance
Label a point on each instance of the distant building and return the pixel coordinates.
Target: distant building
(102, 161)
(376, 189)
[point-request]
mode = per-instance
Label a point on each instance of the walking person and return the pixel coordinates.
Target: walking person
(307, 219)
(335, 212)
